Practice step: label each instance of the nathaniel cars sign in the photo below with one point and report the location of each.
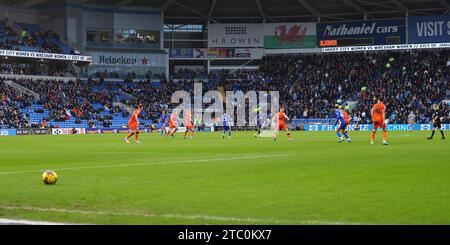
(361, 33)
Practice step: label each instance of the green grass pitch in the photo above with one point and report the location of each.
(243, 180)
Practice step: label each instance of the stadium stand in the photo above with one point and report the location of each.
(11, 104)
(317, 81)
(30, 37)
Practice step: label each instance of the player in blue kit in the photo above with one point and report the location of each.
(337, 114)
(260, 121)
(343, 119)
(226, 123)
(164, 120)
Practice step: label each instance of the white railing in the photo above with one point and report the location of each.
(21, 88)
(128, 108)
(37, 77)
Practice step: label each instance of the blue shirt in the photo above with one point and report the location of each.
(226, 119)
(164, 118)
(261, 118)
(337, 113)
(339, 116)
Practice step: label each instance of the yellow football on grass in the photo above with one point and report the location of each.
(49, 177)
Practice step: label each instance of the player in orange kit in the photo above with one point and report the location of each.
(188, 123)
(133, 124)
(343, 121)
(378, 113)
(280, 117)
(173, 124)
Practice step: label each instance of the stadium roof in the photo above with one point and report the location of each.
(198, 11)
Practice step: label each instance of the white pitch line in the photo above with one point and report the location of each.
(143, 164)
(30, 222)
(91, 152)
(181, 216)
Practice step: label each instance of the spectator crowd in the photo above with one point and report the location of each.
(11, 102)
(28, 37)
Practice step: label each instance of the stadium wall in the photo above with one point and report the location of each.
(71, 19)
(307, 127)
(101, 17)
(7, 132)
(343, 36)
(68, 131)
(19, 15)
(369, 127)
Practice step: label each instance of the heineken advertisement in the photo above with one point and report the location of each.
(104, 59)
(128, 59)
(289, 35)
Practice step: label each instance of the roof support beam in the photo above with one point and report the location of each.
(194, 11)
(356, 7)
(382, 5)
(31, 3)
(123, 3)
(260, 9)
(340, 16)
(166, 4)
(444, 3)
(424, 11)
(211, 9)
(400, 5)
(309, 7)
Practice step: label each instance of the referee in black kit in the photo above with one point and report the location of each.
(436, 123)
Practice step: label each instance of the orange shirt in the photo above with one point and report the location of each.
(188, 119)
(346, 117)
(378, 111)
(133, 116)
(173, 119)
(281, 117)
